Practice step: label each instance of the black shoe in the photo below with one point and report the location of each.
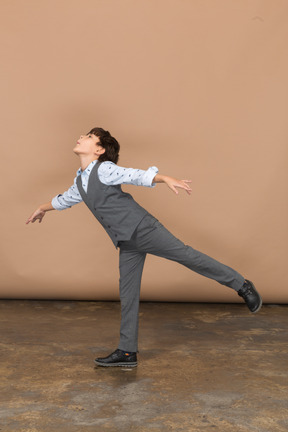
(251, 296)
(118, 358)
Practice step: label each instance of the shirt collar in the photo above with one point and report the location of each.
(88, 169)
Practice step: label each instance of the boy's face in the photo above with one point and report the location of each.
(89, 145)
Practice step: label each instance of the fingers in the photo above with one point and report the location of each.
(29, 220)
(35, 216)
(185, 186)
(172, 187)
(173, 183)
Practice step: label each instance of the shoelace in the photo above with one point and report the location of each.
(246, 291)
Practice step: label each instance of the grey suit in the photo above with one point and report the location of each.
(136, 232)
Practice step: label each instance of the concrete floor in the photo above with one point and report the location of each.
(201, 367)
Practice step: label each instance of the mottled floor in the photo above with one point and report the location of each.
(202, 367)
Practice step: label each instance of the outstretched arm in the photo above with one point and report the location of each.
(39, 213)
(173, 183)
(59, 202)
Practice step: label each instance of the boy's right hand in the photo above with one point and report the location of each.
(38, 214)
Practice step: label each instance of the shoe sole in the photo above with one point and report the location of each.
(116, 364)
(259, 307)
(260, 304)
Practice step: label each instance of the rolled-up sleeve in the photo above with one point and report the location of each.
(149, 175)
(56, 203)
(111, 174)
(68, 199)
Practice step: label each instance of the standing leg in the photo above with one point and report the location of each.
(131, 264)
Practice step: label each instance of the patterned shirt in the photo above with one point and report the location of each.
(109, 174)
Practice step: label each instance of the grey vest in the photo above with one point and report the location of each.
(117, 211)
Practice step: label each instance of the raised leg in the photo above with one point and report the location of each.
(152, 237)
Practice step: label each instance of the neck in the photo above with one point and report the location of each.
(85, 161)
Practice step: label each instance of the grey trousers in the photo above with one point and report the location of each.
(152, 237)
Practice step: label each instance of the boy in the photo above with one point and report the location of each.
(134, 231)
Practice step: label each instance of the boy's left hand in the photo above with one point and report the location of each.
(174, 183)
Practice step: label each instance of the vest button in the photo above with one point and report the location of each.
(115, 235)
(109, 226)
(102, 217)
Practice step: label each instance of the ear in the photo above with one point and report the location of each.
(99, 150)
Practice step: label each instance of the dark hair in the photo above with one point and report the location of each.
(109, 143)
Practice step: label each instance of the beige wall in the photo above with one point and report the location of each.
(197, 88)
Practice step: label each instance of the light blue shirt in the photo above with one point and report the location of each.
(110, 174)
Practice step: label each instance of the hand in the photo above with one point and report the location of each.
(173, 183)
(38, 214)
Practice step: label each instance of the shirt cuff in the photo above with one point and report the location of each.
(149, 176)
(56, 204)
